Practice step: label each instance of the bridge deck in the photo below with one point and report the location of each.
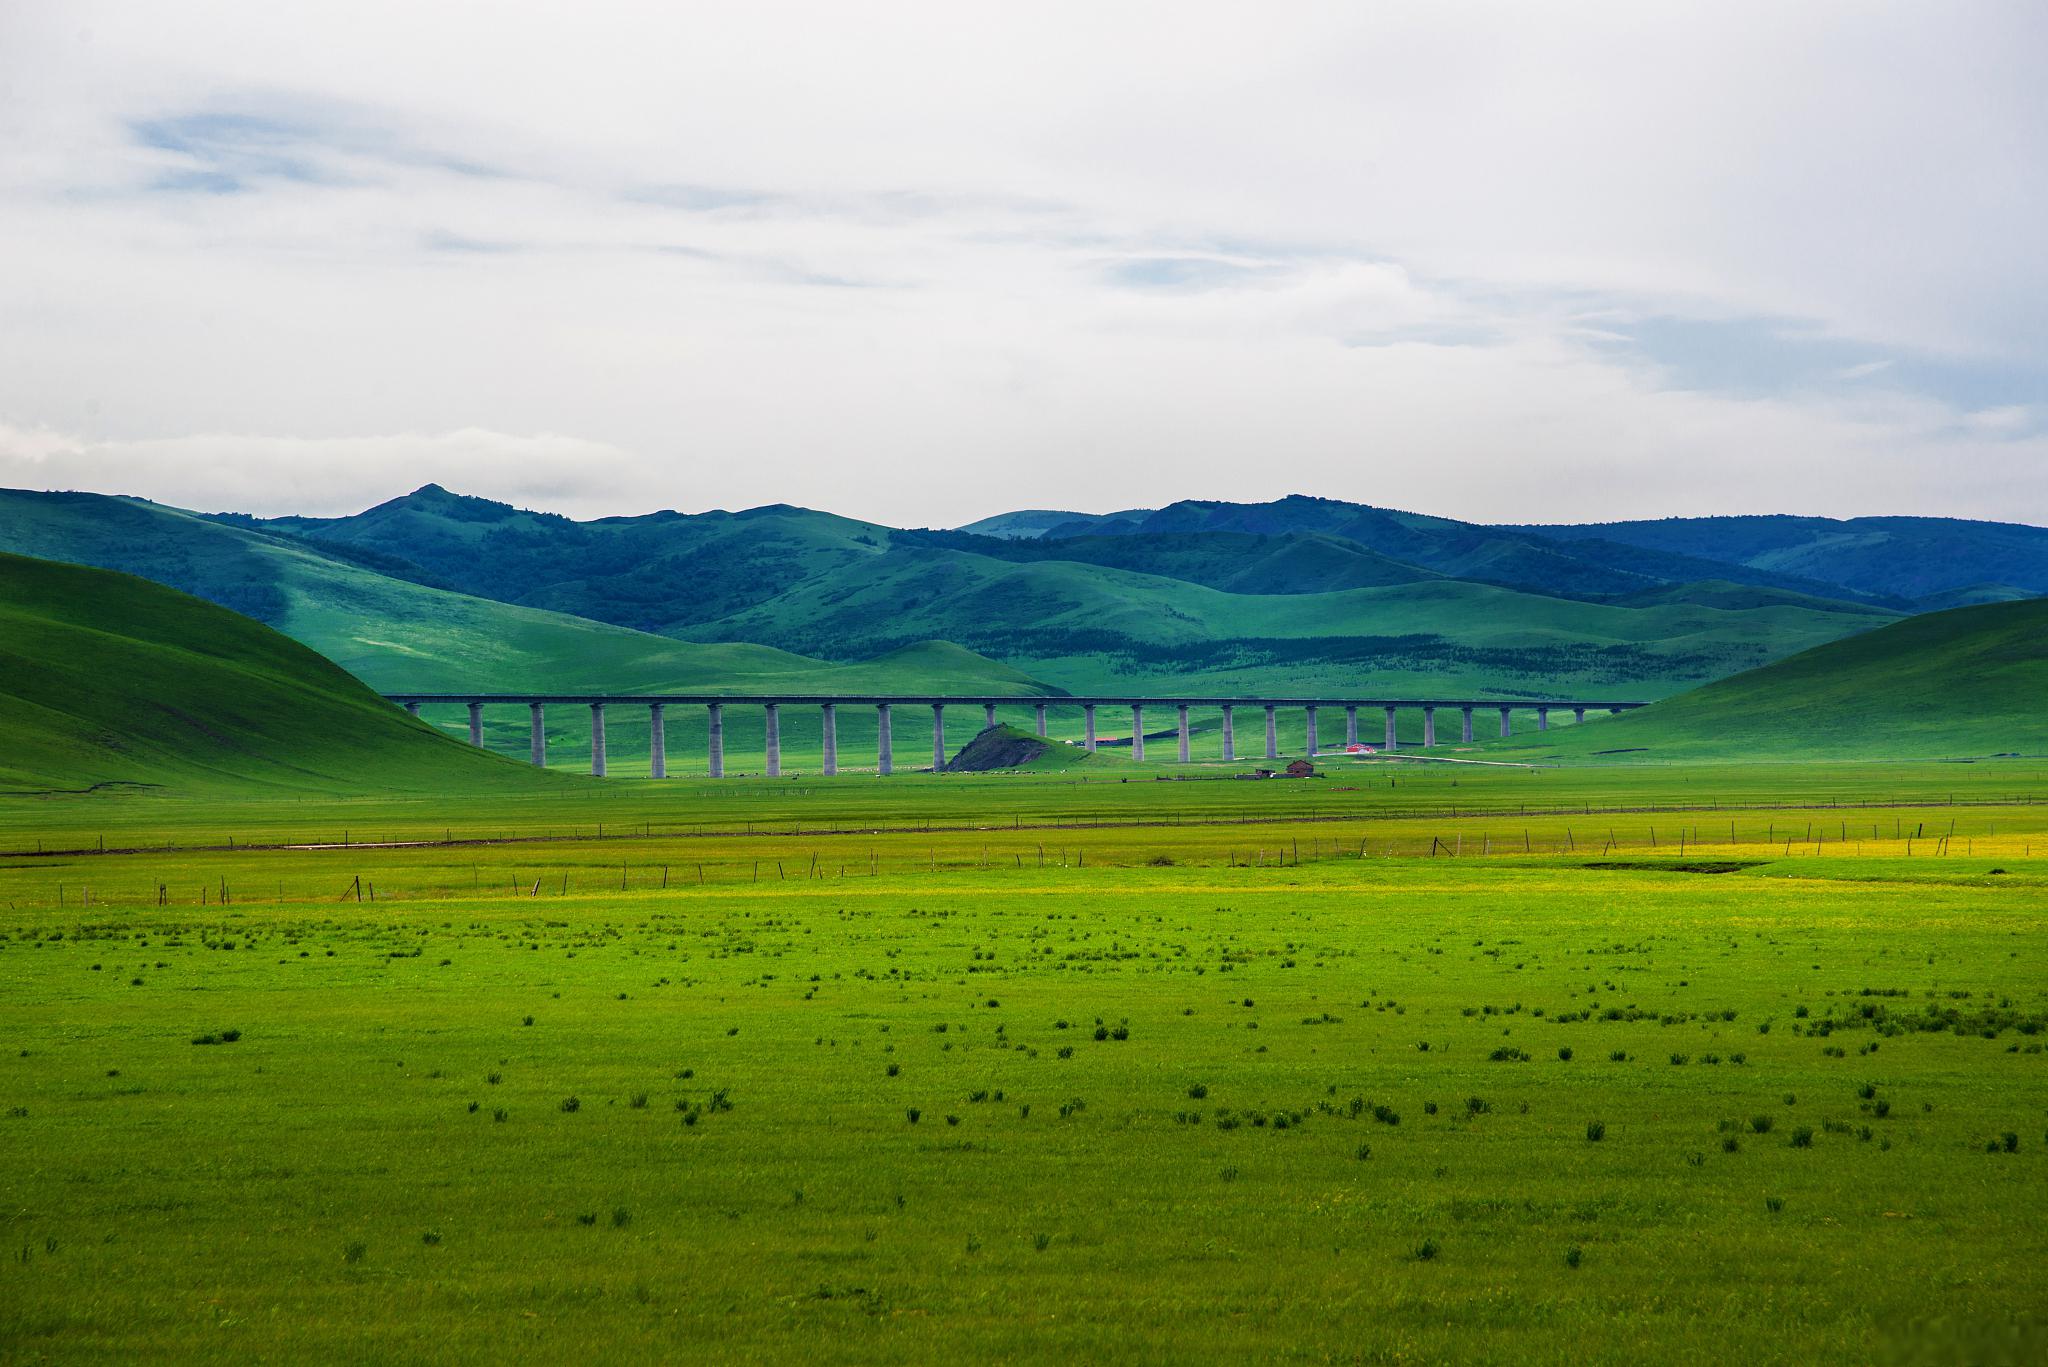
(1002, 700)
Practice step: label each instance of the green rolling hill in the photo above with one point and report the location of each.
(1219, 595)
(1915, 559)
(106, 679)
(743, 599)
(1584, 566)
(399, 635)
(623, 569)
(1921, 563)
(437, 592)
(1968, 682)
(652, 573)
(1235, 562)
(1097, 628)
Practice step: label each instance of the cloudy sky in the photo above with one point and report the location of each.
(921, 263)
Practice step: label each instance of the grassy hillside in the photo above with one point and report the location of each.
(1912, 558)
(110, 679)
(1967, 682)
(1514, 557)
(623, 570)
(1236, 562)
(398, 635)
(1093, 627)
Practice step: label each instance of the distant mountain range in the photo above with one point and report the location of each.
(1902, 562)
(441, 590)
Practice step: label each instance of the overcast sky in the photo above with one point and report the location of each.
(922, 263)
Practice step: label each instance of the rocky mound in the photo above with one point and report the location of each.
(998, 747)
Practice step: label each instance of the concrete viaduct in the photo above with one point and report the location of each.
(715, 705)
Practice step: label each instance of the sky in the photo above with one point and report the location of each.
(924, 263)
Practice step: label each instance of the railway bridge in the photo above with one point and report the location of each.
(828, 706)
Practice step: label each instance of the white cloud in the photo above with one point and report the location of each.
(321, 476)
(918, 262)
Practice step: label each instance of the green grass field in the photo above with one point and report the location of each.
(1118, 1071)
(330, 1038)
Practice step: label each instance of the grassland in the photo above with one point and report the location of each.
(106, 679)
(1965, 682)
(329, 1038)
(1022, 1066)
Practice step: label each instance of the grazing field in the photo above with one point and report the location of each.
(1720, 1068)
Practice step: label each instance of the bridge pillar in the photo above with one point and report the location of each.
(1272, 734)
(1393, 736)
(938, 738)
(1428, 727)
(1039, 712)
(657, 741)
(717, 738)
(885, 750)
(830, 733)
(1614, 711)
(597, 739)
(1182, 710)
(1137, 730)
(1350, 725)
(1229, 733)
(412, 709)
(1088, 720)
(537, 734)
(1542, 719)
(1312, 748)
(476, 723)
(1505, 729)
(988, 715)
(773, 737)
(1578, 714)
(1468, 724)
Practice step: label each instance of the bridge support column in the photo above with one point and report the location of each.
(1039, 712)
(830, 732)
(938, 738)
(1350, 725)
(597, 739)
(1088, 722)
(1542, 719)
(1229, 733)
(1137, 730)
(1272, 734)
(476, 723)
(988, 715)
(773, 737)
(412, 709)
(1468, 724)
(657, 741)
(717, 738)
(1578, 714)
(1312, 747)
(1393, 734)
(885, 750)
(537, 735)
(1505, 729)
(1614, 711)
(1182, 710)
(1428, 727)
